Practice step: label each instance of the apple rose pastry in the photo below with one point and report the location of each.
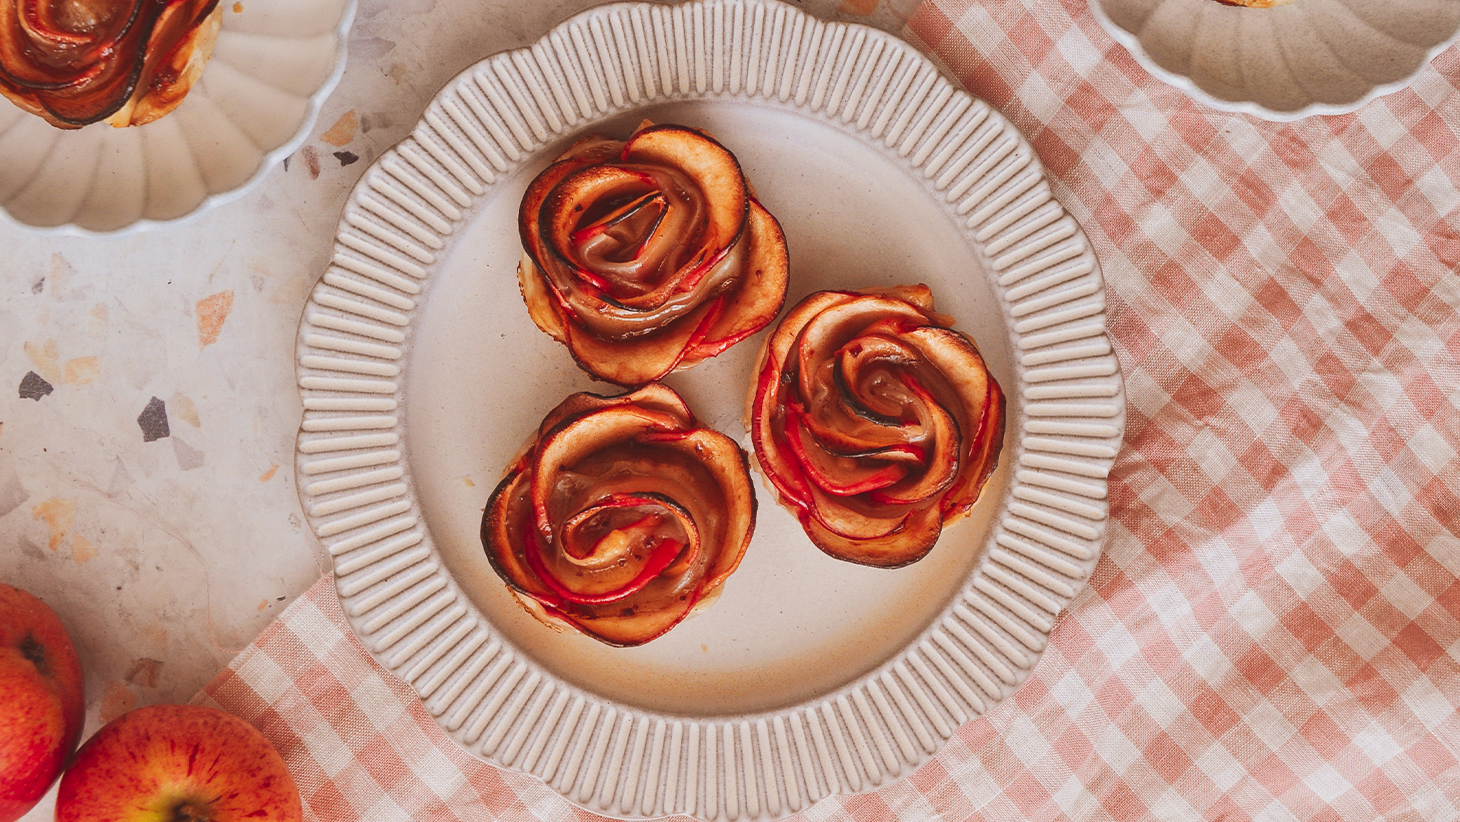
(127, 62)
(876, 422)
(622, 517)
(649, 255)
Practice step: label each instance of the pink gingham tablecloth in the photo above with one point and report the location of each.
(1273, 631)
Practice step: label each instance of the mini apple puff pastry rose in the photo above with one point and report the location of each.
(127, 62)
(876, 422)
(649, 255)
(622, 517)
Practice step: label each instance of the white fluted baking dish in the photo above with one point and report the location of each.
(274, 64)
(1309, 57)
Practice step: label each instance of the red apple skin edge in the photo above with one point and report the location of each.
(178, 763)
(42, 700)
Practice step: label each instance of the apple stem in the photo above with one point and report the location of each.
(33, 650)
(188, 812)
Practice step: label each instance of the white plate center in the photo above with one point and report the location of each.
(792, 623)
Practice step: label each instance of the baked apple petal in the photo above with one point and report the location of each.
(759, 295)
(602, 222)
(630, 626)
(982, 461)
(661, 556)
(638, 360)
(502, 524)
(941, 442)
(39, 51)
(85, 24)
(95, 97)
(579, 437)
(653, 397)
(783, 339)
(823, 337)
(959, 361)
(902, 546)
(849, 433)
(837, 474)
(767, 406)
(581, 155)
(186, 46)
(546, 312)
(713, 168)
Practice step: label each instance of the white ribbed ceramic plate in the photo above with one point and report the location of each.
(274, 64)
(421, 375)
(1309, 57)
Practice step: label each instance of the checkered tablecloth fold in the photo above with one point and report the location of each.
(1273, 631)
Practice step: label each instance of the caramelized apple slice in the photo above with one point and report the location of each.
(875, 422)
(649, 255)
(84, 61)
(622, 516)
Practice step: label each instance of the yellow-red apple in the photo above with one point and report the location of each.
(42, 704)
(178, 763)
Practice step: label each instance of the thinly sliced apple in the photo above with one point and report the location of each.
(637, 360)
(621, 516)
(761, 295)
(917, 536)
(71, 82)
(837, 474)
(957, 359)
(39, 51)
(714, 170)
(180, 49)
(830, 330)
(942, 442)
(849, 520)
(651, 252)
(874, 421)
(125, 63)
(661, 555)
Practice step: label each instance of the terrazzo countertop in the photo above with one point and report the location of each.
(149, 413)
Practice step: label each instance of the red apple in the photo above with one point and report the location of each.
(42, 705)
(178, 763)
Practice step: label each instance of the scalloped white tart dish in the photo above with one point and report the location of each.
(1283, 63)
(422, 374)
(274, 63)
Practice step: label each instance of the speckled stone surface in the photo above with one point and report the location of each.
(148, 409)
